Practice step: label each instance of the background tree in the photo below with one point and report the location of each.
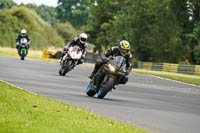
(74, 11)
(187, 14)
(47, 13)
(7, 4)
(159, 30)
(101, 13)
(42, 35)
(66, 31)
(197, 39)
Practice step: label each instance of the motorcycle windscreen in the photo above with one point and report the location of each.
(23, 40)
(120, 60)
(76, 48)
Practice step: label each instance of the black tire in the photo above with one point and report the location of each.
(107, 87)
(66, 68)
(60, 71)
(89, 90)
(22, 56)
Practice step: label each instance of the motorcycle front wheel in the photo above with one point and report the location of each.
(108, 85)
(66, 68)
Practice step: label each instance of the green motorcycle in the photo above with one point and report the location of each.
(23, 48)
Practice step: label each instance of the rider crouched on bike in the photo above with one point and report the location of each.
(78, 41)
(122, 50)
(22, 35)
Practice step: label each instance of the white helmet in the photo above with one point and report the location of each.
(23, 32)
(83, 37)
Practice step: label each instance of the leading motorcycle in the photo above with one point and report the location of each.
(70, 60)
(107, 77)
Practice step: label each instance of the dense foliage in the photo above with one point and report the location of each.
(197, 40)
(66, 31)
(159, 30)
(74, 11)
(47, 13)
(5, 4)
(41, 34)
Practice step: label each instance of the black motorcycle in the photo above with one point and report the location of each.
(70, 60)
(23, 48)
(107, 77)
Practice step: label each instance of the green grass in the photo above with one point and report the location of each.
(24, 112)
(15, 54)
(192, 79)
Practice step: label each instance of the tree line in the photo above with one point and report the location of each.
(41, 23)
(158, 30)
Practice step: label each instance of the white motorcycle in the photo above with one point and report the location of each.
(70, 60)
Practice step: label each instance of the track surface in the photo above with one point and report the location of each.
(156, 104)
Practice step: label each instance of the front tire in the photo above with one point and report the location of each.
(106, 87)
(66, 68)
(22, 55)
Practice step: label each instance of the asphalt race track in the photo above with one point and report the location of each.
(156, 104)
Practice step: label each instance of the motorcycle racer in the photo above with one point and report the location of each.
(122, 50)
(23, 34)
(78, 41)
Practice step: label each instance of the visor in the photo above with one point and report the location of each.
(124, 51)
(83, 39)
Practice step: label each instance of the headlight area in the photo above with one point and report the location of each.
(112, 68)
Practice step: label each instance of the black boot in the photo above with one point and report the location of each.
(91, 75)
(96, 68)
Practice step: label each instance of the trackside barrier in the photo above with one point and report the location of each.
(45, 53)
(167, 67)
(170, 67)
(197, 70)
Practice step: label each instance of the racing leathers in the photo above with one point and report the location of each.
(19, 39)
(76, 42)
(114, 51)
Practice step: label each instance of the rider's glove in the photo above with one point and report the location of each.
(127, 72)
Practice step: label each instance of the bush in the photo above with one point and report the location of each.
(197, 39)
(42, 35)
(66, 31)
(197, 53)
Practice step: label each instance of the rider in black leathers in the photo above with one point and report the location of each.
(22, 35)
(122, 50)
(78, 41)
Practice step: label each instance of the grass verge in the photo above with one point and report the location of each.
(23, 112)
(11, 52)
(192, 79)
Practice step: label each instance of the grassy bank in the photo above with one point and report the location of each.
(33, 54)
(23, 112)
(192, 79)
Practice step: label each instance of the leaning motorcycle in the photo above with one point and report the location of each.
(70, 60)
(107, 77)
(23, 48)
